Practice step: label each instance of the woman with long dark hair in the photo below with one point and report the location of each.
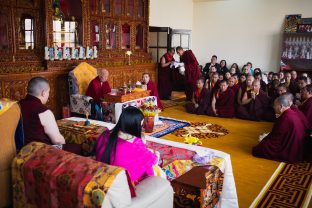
(124, 147)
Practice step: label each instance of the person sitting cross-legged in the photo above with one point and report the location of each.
(255, 103)
(286, 140)
(200, 99)
(222, 104)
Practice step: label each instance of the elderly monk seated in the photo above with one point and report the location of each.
(200, 99)
(255, 103)
(99, 86)
(286, 140)
(38, 121)
(222, 103)
(152, 87)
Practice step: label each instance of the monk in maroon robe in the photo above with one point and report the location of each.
(245, 86)
(39, 124)
(152, 87)
(192, 71)
(306, 105)
(286, 140)
(233, 86)
(222, 104)
(255, 103)
(200, 100)
(164, 75)
(99, 86)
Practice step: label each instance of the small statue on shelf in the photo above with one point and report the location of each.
(95, 55)
(46, 53)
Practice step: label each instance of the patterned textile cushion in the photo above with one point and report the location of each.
(44, 176)
(80, 104)
(84, 74)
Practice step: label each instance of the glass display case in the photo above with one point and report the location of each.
(4, 40)
(110, 30)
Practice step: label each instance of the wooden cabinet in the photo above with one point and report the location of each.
(297, 52)
(113, 26)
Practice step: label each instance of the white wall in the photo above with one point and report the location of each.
(243, 30)
(177, 14)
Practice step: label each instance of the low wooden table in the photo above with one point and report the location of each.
(121, 98)
(75, 132)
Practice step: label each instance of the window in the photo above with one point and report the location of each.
(26, 35)
(66, 36)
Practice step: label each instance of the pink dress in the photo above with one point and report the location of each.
(132, 156)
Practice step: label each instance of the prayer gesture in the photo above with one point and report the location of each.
(253, 95)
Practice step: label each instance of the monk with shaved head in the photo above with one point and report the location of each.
(286, 140)
(99, 86)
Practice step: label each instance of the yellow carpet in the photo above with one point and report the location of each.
(250, 173)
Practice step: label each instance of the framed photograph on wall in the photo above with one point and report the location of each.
(291, 22)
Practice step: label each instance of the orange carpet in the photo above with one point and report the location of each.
(250, 173)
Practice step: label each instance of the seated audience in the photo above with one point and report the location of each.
(255, 104)
(286, 140)
(152, 87)
(245, 70)
(258, 76)
(227, 75)
(222, 104)
(39, 123)
(302, 82)
(281, 77)
(272, 86)
(213, 83)
(200, 99)
(223, 67)
(281, 89)
(270, 77)
(306, 105)
(287, 79)
(244, 87)
(124, 147)
(233, 85)
(99, 86)
(275, 76)
(208, 66)
(293, 85)
(249, 65)
(242, 79)
(258, 70)
(235, 66)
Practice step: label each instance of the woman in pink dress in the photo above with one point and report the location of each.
(124, 147)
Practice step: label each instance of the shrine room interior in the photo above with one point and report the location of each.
(203, 159)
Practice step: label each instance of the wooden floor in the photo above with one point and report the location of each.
(250, 173)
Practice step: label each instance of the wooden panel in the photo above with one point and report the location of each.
(14, 85)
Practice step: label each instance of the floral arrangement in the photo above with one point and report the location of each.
(149, 109)
(192, 140)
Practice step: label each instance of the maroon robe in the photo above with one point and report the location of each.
(224, 104)
(256, 109)
(202, 100)
(152, 87)
(98, 89)
(212, 89)
(31, 107)
(164, 79)
(286, 140)
(306, 109)
(192, 72)
(235, 89)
